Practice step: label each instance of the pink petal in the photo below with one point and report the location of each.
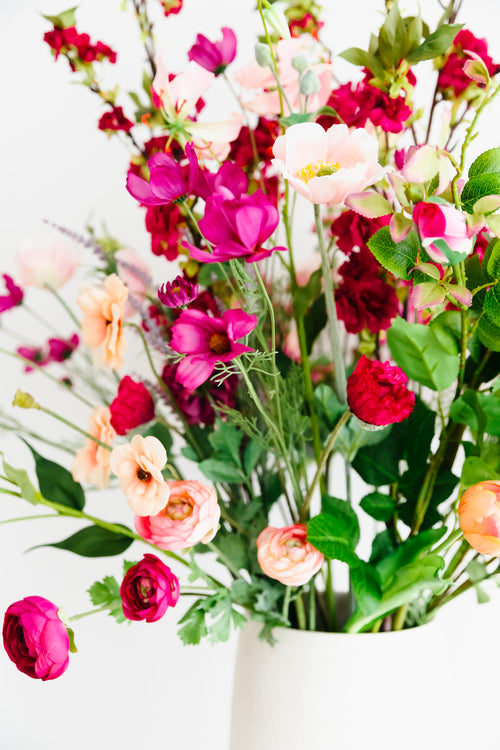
(193, 371)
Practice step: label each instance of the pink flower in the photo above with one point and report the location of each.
(199, 406)
(92, 463)
(102, 307)
(138, 466)
(178, 292)
(168, 181)
(191, 515)
(326, 167)
(479, 517)
(452, 75)
(132, 406)
(61, 349)
(14, 294)
(214, 56)
(47, 257)
(436, 221)
(35, 638)
(114, 120)
(377, 393)
(136, 275)
(148, 589)
(286, 555)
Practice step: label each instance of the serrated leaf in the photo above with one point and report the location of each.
(326, 535)
(436, 43)
(220, 471)
(226, 440)
(194, 628)
(488, 161)
(56, 483)
(397, 257)
(378, 506)
(488, 334)
(477, 187)
(93, 541)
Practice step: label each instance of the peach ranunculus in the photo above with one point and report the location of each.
(191, 515)
(286, 555)
(92, 462)
(479, 517)
(138, 466)
(136, 274)
(102, 307)
(47, 257)
(326, 166)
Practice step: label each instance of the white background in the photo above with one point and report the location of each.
(135, 684)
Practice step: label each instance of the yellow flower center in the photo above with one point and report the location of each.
(318, 169)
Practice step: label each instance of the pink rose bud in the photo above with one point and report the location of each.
(479, 517)
(148, 589)
(286, 555)
(35, 638)
(436, 221)
(377, 393)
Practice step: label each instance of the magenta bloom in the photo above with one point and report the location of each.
(14, 294)
(35, 638)
(178, 292)
(206, 340)
(168, 182)
(148, 589)
(35, 354)
(377, 393)
(131, 407)
(214, 56)
(61, 349)
(237, 228)
(436, 221)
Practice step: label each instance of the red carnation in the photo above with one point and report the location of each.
(377, 393)
(452, 75)
(114, 120)
(132, 406)
(353, 230)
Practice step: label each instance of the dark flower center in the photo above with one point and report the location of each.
(219, 343)
(143, 475)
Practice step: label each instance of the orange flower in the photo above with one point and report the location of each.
(479, 517)
(286, 555)
(138, 466)
(92, 462)
(102, 307)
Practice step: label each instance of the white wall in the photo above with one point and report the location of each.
(127, 685)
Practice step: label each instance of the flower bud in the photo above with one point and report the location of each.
(299, 63)
(275, 18)
(309, 83)
(263, 55)
(24, 400)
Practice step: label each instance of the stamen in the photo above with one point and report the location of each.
(318, 169)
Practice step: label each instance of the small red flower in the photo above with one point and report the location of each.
(115, 120)
(377, 393)
(132, 406)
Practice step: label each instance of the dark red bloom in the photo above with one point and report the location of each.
(132, 406)
(377, 393)
(148, 589)
(452, 76)
(162, 222)
(353, 230)
(77, 47)
(115, 120)
(200, 406)
(14, 294)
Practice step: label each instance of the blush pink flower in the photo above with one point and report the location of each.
(377, 393)
(326, 166)
(148, 589)
(286, 555)
(102, 306)
(214, 56)
(479, 517)
(92, 463)
(436, 221)
(191, 515)
(47, 257)
(206, 340)
(138, 466)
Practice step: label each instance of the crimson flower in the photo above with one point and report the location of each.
(214, 56)
(115, 120)
(452, 76)
(178, 292)
(377, 393)
(207, 340)
(14, 294)
(148, 589)
(168, 182)
(131, 407)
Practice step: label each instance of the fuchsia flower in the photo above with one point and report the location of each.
(35, 638)
(14, 294)
(131, 407)
(214, 56)
(286, 555)
(115, 120)
(199, 406)
(148, 589)
(377, 393)
(178, 292)
(61, 349)
(207, 340)
(479, 517)
(436, 221)
(168, 182)
(237, 228)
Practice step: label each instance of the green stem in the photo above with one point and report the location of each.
(301, 613)
(400, 617)
(89, 612)
(286, 602)
(75, 427)
(330, 597)
(447, 543)
(274, 67)
(312, 605)
(29, 518)
(223, 558)
(64, 304)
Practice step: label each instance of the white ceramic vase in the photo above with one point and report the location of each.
(316, 691)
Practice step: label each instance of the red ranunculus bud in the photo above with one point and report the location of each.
(132, 406)
(377, 393)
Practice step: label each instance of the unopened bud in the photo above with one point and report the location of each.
(275, 18)
(309, 83)
(299, 62)
(24, 400)
(263, 55)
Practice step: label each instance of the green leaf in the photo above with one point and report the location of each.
(194, 625)
(379, 464)
(383, 546)
(327, 404)
(304, 295)
(161, 433)
(475, 470)
(492, 306)
(251, 457)
(366, 588)
(294, 119)
(436, 43)
(490, 405)
(392, 37)
(467, 410)
(364, 59)
(492, 258)
(419, 353)
(94, 541)
(452, 256)
(477, 187)
(407, 553)
(378, 506)
(105, 591)
(20, 478)
(220, 471)
(397, 257)
(345, 517)
(209, 273)
(485, 163)
(488, 334)
(56, 483)
(226, 440)
(315, 321)
(329, 537)
(63, 20)
(233, 547)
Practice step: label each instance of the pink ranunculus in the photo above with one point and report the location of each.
(138, 466)
(102, 331)
(326, 167)
(191, 515)
(148, 589)
(436, 221)
(286, 555)
(131, 407)
(377, 393)
(35, 638)
(136, 275)
(479, 517)
(214, 56)
(47, 257)
(206, 340)
(92, 463)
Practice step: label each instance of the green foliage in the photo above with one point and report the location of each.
(63, 20)
(226, 465)
(476, 469)
(106, 593)
(331, 537)
(94, 541)
(477, 187)
(436, 43)
(365, 583)
(486, 163)
(161, 433)
(364, 59)
(20, 478)
(378, 506)
(397, 257)
(211, 616)
(56, 483)
(344, 515)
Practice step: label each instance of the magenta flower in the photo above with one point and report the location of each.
(148, 589)
(168, 182)
(35, 354)
(206, 340)
(214, 56)
(61, 349)
(237, 228)
(14, 294)
(178, 292)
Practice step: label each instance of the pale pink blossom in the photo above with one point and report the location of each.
(47, 257)
(191, 515)
(138, 466)
(102, 306)
(92, 463)
(286, 555)
(327, 166)
(136, 275)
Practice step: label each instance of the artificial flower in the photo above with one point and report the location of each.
(214, 56)
(138, 465)
(168, 181)
(452, 79)
(437, 221)
(131, 407)
(102, 306)
(286, 555)
(479, 517)
(14, 294)
(148, 589)
(114, 120)
(47, 258)
(199, 406)
(92, 463)
(178, 292)
(377, 393)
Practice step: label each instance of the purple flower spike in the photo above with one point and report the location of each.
(178, 292)
(168, 182)
(214, 56)
(14, 294)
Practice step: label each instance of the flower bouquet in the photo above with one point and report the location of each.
(225, 398)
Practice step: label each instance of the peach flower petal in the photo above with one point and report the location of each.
(92, 462)
(138, 466)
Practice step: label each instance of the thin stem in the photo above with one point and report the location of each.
(89, 612)
(224, 559)
(312, 605)
(63, 302)
(286, 602)
(301, 613)
(30, 518)
(330, 597)
(75, 427)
